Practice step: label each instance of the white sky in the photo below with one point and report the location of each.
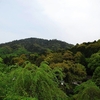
(73, 21)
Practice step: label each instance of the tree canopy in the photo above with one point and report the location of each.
(38, 69)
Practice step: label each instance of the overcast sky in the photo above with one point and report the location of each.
(73, 21)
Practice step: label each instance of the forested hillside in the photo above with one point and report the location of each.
(36, 45)
(38, 69)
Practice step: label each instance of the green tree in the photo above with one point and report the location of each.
(54, 58)
(32, 81)
(79, 58)
(68, 55)
(3, 66)
(72, 71)
(94, 61)
(96, 76)
(87, 91)
(3, 85)
(1, 60)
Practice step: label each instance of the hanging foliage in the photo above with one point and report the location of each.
(38, 82)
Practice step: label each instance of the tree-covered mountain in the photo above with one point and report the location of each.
(87, 48)
(38, 69)
(35, 45)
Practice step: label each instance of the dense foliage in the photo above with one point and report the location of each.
(37, 69)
